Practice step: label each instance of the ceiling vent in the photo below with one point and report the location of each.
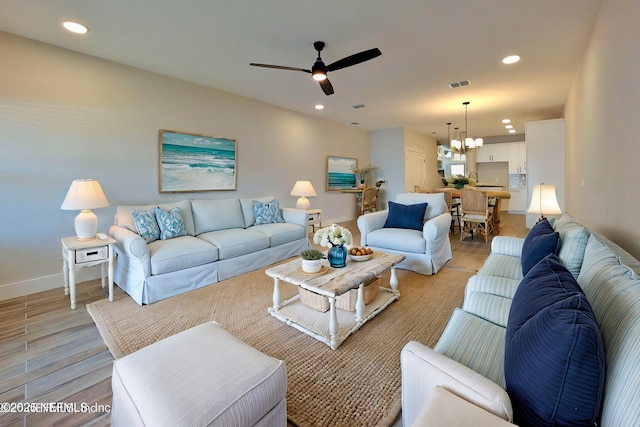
(459, 84)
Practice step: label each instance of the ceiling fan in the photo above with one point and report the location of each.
(319, 70)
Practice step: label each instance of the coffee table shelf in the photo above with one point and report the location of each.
(334, 326)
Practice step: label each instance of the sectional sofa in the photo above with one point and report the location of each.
(167, 249)
(558, 345)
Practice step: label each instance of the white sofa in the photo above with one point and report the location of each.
(469, 359)
(221, 241)
(426, 250)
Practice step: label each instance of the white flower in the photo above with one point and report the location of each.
(334, 235)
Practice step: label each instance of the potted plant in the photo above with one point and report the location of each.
(311, 260)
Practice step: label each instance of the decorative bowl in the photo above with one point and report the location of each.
(361, 257)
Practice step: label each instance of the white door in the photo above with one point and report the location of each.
(415, 169)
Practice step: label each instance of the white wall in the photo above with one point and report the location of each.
(64, 115)
(601, 137)
(388, 153)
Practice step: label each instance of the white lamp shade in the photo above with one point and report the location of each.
(84, 195)
(303, 189)
(544, 201)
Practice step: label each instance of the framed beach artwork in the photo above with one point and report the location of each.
(191, 162)
(340, 174)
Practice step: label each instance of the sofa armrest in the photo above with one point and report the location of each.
(130, 244)
(505, 245)
(437, 227)
(423, 369)
(296, 216)
(446, 409)
(370, 222)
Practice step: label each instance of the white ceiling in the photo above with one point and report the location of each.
(425, 44)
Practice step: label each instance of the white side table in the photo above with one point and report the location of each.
(315, 219)
(77, 254)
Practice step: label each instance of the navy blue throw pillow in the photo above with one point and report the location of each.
(406, 216)
(540, 242)
(554, 355)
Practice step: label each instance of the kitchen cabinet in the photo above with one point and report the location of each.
(492, 153)
(517, 157)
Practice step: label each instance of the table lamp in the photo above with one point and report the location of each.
(85, 195)
(303, 189)
(544, 201)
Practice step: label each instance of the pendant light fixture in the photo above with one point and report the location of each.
(470, 142)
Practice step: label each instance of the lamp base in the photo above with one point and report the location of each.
(302, 203)
(86, 225)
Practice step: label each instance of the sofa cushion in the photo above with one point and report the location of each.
(573, 241)
(267, 212)
(281, 233)
(170, 223)
(436, 202)
(406, 216)
(236, 242)
(180, 253)
(540, 242)
(498, 265)
(601, 264)
(616, 304)
(146, 225)
(212, 215)
(399, 239)
(554, 355)
(476, 343)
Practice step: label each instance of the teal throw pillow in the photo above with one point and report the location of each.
(146, 225)
(406, 216)
(170, 223)
(267, 213)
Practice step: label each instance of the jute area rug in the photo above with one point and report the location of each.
(358, 384)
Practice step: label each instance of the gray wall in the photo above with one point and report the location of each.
(602, 151)
(64, 115)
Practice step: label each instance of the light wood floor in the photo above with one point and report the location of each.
(50, 353)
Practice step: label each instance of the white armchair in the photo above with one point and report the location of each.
(426, 250)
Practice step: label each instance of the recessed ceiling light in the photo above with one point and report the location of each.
(319, 107)
(506, 121)
(509, 126)
(512, 131)
(75, 27)
(512, 59)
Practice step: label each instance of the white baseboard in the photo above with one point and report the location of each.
(45, 283)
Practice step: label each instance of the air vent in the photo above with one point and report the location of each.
(459, 84)
(358, 106)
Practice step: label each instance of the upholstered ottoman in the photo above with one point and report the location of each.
(203, 376)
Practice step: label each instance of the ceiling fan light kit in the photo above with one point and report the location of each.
(319, 70)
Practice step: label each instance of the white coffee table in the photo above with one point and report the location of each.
(334, 326)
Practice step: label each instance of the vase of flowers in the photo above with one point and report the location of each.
(362, 173)
(335, 238)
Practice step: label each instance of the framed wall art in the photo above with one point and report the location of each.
(191, 162)
(340, 174)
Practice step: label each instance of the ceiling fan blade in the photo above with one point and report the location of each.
(354, 59)
(326, 86)
(280, 67)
